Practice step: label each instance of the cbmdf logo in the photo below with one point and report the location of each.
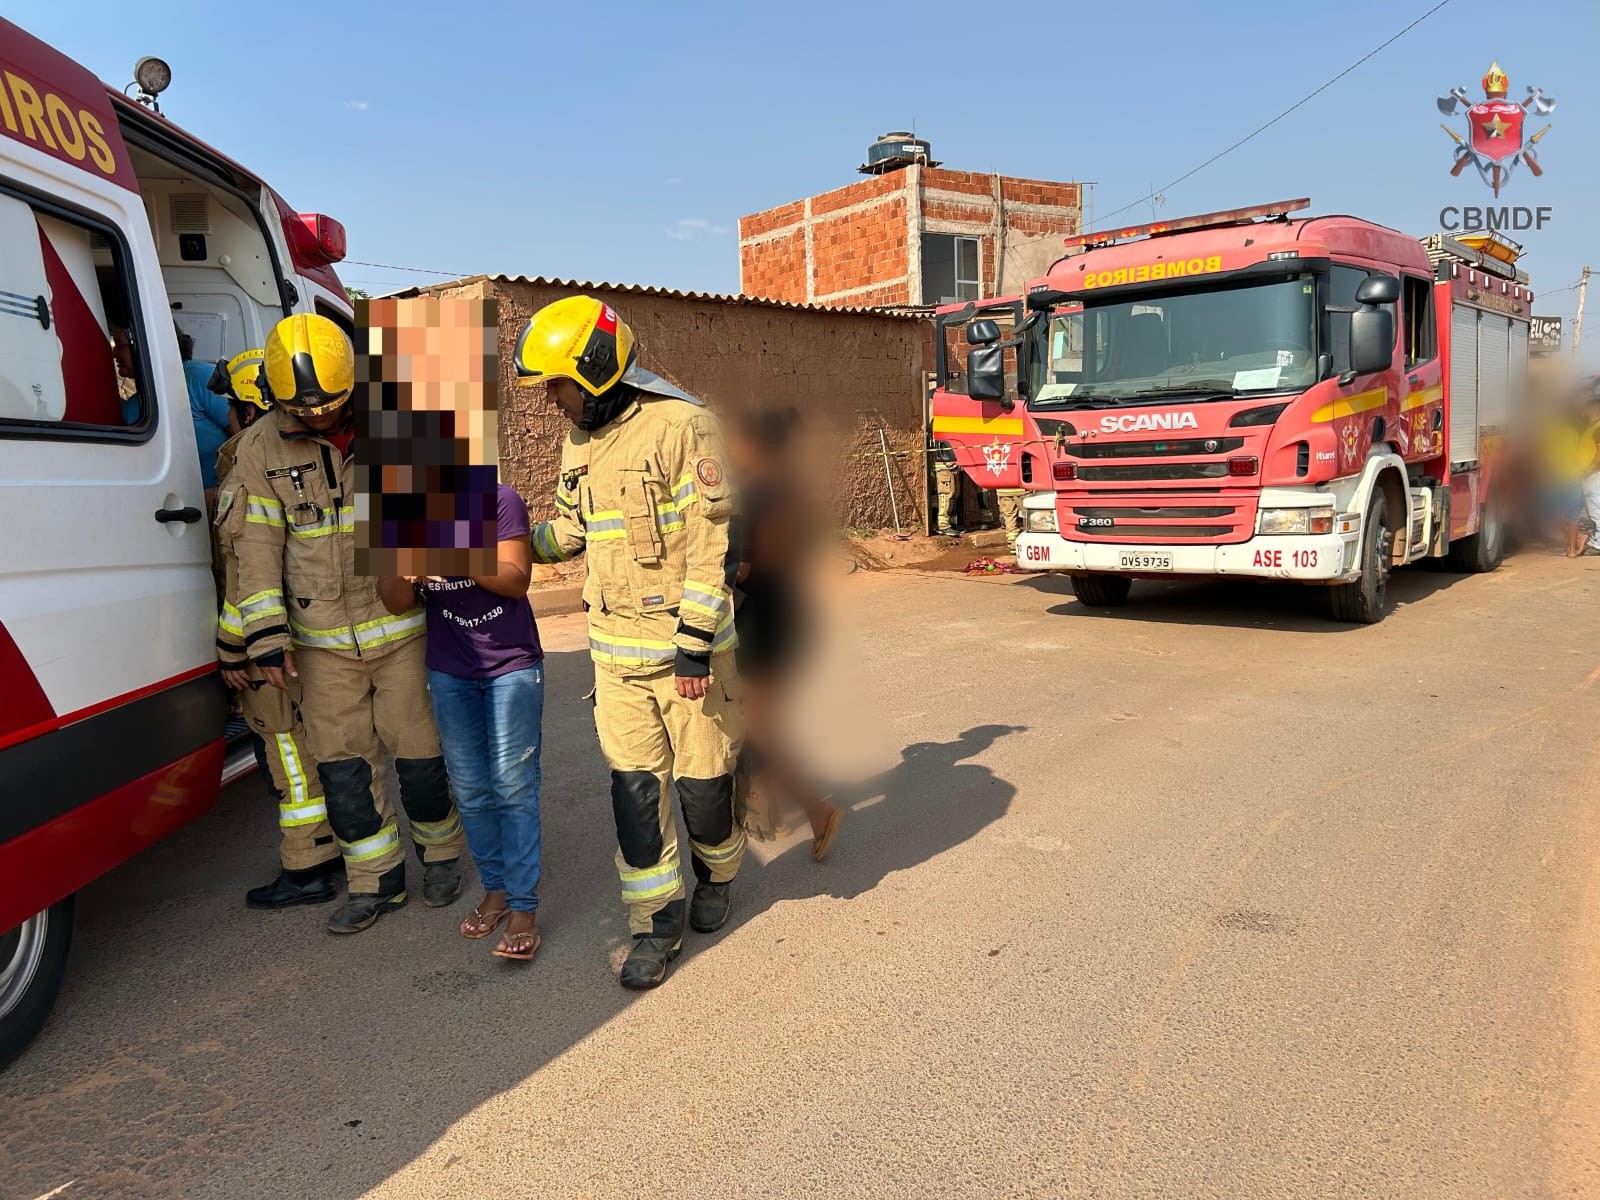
(1494, 143)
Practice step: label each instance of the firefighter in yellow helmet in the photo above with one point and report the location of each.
(304, 613)
(306, 850)
(644, 491)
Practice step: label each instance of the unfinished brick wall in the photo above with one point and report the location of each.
(848, 374)
(861, 244)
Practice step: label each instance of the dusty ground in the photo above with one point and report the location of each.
(1205, 898)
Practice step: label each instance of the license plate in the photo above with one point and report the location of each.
(1144, 560)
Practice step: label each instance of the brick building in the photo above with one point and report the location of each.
(913, 233)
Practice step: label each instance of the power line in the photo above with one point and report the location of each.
(1280, 116)
(356, 262)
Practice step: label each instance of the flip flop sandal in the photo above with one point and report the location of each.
(519, 955)
(820, 844)
(480, 924)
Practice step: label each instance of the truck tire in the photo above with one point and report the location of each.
(1486, 549)
(33, 960)
(1364, 601)
(1101, 591)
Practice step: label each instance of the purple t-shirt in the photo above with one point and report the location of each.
(474, 634)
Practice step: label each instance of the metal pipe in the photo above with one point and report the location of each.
(894, 504)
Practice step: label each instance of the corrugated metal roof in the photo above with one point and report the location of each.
(639, 289)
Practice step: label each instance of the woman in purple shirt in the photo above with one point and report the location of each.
(486, 680)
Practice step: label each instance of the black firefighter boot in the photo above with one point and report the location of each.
(313, 885)
(646, 964)
(708, 911)
(361, 910)
(441, 883)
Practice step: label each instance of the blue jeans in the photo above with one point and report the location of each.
(489, 729)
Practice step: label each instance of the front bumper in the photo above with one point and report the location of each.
(1308, 558)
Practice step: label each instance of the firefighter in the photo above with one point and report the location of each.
(306, 614)
(306, 848)
(1010, 501)
(947, 475)
(644, 491)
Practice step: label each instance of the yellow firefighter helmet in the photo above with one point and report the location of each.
(245, 378)
(579, 338)
(310, 365)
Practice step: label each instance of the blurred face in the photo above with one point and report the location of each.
(567, 396)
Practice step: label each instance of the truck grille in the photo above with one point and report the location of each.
(1189, 446)
(1216, 470)
(1165, 516)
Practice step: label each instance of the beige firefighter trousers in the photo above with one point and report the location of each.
(1010, 500)
(305, 840)
(354, 708)
(650, 736)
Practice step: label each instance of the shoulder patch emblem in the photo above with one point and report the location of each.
(709, 472)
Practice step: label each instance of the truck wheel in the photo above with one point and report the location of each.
(1101, 591)
(33, 959)
(1486, 549)
(1363, 602)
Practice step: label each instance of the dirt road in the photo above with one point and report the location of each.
(1205, 898)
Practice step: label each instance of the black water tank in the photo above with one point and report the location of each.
(893, 151)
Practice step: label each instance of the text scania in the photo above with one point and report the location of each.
(1145, 272)
(1148, 421)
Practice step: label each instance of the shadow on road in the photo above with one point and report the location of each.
(201, 1050)
(1240, 604)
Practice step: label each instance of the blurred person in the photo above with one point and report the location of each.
(308, 854)
(779, 535)
(486, 681)
(1570, 454)
(305, 614)
(643, 492)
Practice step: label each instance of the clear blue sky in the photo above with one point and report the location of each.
(551, 140)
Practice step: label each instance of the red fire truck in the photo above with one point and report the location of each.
(115, 226)
(1248, 393)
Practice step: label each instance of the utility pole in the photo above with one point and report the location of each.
(1577, 325)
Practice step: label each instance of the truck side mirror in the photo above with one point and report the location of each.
(1378, 289)
(1371, 340)
(982, 333)
(986, 373)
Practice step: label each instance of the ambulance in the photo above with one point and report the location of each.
(118, 230)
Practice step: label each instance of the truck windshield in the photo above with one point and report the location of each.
(1259, 337)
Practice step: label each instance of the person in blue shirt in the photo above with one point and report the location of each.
(214, 422)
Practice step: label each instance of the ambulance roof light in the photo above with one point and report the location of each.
(151, 76)
(1228, 216)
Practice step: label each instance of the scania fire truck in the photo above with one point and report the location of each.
(1248, 393)
(115, 226)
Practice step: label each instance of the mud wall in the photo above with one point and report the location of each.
(848, 374)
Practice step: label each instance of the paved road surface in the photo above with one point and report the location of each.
(1207, 898)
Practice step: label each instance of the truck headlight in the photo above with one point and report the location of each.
(1041, 520)
(1295, 520)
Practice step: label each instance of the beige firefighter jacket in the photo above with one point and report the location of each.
(289, 510)
(647, 498)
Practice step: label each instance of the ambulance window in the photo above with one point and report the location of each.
(1421, 342)
(71, 363)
